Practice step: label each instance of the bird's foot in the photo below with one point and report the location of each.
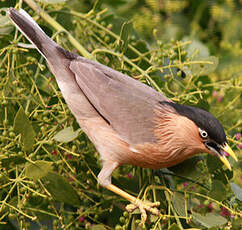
(144, 206)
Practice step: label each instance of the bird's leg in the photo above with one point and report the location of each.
(143, 206)
(104, 179)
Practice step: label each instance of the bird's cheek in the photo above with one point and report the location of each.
(211, 152)
(206, 150)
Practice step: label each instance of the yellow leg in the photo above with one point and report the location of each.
(136, 203)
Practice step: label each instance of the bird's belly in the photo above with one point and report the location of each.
(149, 156)
(107, 142)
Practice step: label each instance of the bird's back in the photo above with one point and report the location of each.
(94, 90)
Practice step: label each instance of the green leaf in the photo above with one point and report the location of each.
(53, 1)
(237, 191)
(223, 175)
(6, 30)
(198, 48)
(141, 46)
(38, 169)
(209, 68)
(66, 135)
(209, 220)
(174, 227)
(213, 163)
(97, 227)
(23, 126)
(124, 35)
(178, 201)
(6, 26)
(60, 189)
(11, 162)
(187, 168)
(206, 66)
(218, 191)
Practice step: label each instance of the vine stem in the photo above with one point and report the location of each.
(58, 27)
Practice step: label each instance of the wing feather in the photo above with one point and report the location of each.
(127, 104)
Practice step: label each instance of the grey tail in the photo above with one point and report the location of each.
(26, 24)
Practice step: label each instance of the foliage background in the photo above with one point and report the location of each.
(49, 167)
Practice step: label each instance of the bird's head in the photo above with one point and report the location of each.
(206, 130)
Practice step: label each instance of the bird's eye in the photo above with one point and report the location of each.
(203, 133)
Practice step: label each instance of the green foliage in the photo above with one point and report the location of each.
(237, 191)
(48, 171)
(174, 227)
(37, 169)
(23, 127)
(179, 203)
(60, 189)
(209, 220)
(66, 135)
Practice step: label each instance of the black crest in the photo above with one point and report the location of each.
(202, 119)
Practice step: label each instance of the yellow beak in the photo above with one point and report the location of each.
(225, 161)
(228, 150)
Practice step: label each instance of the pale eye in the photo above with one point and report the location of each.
(203, 133)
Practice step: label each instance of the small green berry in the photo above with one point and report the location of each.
(184, 53)
(206, 92)
(110, 26)
(137, 221)
(11, 216)
(73, 148)
(4, 102)
(122, 220)
(107, 39)
(118, 227)
(35, 116)
(199, 83)
(125, 214)
(50, 142)
(179, 73)
(206, 202)
(103, 23)
(12, 134)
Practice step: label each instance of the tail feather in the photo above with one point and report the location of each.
(26, 24)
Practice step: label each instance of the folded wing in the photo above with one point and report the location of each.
(126, 104)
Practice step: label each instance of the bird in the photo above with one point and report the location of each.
(127, 121)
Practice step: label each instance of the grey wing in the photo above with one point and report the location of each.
(126, 104)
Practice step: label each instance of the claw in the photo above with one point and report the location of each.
(144, 206)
